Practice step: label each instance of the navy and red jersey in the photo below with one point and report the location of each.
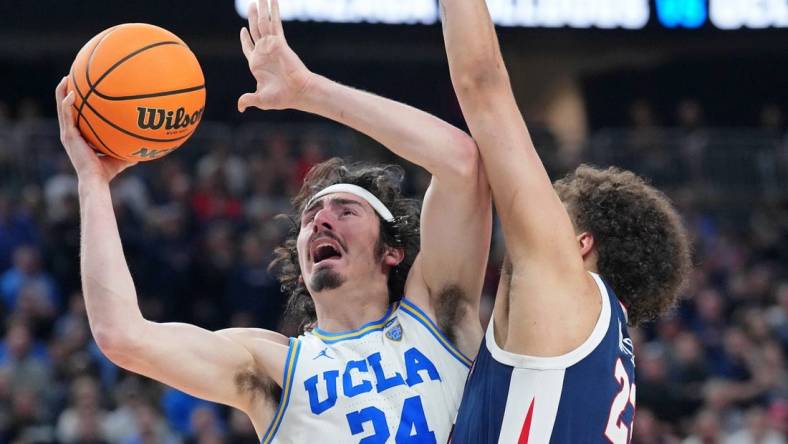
(584, 396)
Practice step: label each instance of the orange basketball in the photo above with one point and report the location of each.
(140, 92)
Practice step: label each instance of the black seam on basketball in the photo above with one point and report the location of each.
(111, 68)
(147, 96)
(76, 87)
(87, 68)
(79, 92)
(87, 122)
(129, 133)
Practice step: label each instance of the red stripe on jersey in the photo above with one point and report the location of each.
(527, 425)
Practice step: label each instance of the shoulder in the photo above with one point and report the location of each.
(447, 308)
(268, 349)
(255, 334)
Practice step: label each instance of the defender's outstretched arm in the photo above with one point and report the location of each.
(456, 216)
(548, 277)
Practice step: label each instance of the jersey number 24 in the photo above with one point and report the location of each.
(412, 429)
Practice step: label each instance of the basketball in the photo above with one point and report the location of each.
(139, 92)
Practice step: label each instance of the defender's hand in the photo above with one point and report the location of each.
(87, 163)
(281, 76)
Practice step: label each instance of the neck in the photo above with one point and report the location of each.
(350, 307)
(590, 262)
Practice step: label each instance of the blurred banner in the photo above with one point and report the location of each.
(604, 14)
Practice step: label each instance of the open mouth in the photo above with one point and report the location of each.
(325, 251)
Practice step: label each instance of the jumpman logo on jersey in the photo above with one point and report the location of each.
(324, 352)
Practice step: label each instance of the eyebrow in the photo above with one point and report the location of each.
(338, 201)
(341, 201)
(312, 206)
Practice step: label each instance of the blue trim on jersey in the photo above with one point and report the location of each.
(369, 327)
(287, 384)
(416, 313)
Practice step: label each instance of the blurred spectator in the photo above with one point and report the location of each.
(757, 430)
(26, 358)
(777, 315)
(130, 191)
(35, 306)
(16, 229)
(694, 139)
(29, 422)
(26, 270)
(212, 201)
(646, 148)
(278, 164)
(220, 160)
(311, 154)
(151, 428)
(62, 245)
(264, 204)
(241, 429)
(213, 265)
(647, 429)
(59, 188)
(251, 288)
(710, 322)
(655, 390)
(181, 408)
(705, 429)
(84, 420)
(121, 423)
(778, 416)
(205, 426)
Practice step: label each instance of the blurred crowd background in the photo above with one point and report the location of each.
(199, 227)
(701, 113)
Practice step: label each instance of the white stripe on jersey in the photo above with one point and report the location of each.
(557, 362)
(537, 391)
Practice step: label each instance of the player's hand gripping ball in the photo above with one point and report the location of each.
(140, 92)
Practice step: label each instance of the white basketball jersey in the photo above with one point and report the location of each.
(395, 380)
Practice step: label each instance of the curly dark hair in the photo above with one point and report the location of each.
(642, 245)
(403, 232)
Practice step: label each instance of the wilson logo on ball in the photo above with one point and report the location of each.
(155, 118)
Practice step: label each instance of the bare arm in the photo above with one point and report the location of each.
(202, 363)
(456, 216)
(548, 277)
(457, 204)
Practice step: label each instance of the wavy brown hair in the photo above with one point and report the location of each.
(642, 245)
(403, 232)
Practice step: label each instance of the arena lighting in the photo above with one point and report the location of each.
(605, 14)
(681, 13)
(355, 11)
(631, 14)
(756, 14)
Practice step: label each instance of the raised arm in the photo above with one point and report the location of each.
(456, 216)
(205, 364)
(548, 277)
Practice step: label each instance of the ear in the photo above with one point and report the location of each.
(393, 256)
(586, 243)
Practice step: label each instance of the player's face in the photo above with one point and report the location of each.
(337, 242)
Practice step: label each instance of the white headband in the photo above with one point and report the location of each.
(355, 190)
